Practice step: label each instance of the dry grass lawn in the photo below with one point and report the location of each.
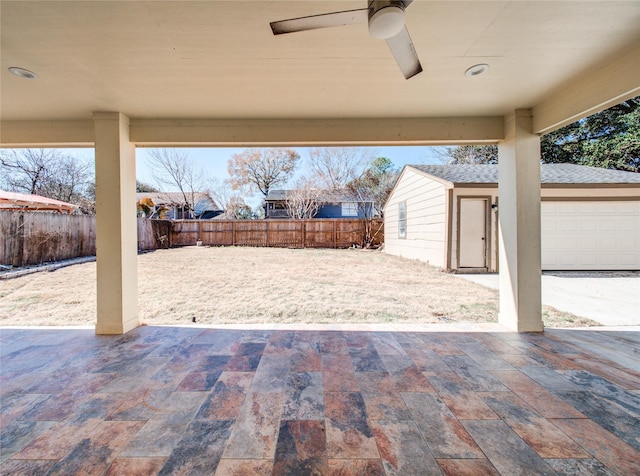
(263, 285)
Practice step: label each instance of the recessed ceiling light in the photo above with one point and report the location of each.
(23, 73)
(477, 70)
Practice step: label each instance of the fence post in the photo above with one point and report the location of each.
(304, 233)
(233, 233)
(335, 235)
(19, 250)
(266, 235)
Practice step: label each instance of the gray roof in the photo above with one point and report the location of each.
(549, 174)
(276, 195)
(176, 198)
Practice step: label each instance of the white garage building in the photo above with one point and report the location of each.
(447, 215)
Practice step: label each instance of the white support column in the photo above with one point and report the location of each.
(116, 225)
(519, 231)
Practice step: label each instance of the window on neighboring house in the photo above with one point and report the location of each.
(349, 209)
(402, 220)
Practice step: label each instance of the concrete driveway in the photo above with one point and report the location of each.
(608, 297)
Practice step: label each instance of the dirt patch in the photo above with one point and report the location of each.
(264, 285)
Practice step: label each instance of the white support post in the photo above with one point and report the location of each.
(519, 225)
(116, 226)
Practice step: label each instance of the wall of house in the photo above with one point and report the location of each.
(334, 210)
(426, 225)
(590, 192)
(426, 208)
(591, 228)
(547, 194)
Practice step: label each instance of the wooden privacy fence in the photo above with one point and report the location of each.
(313, 233)
(154, 234)
(37, 237)
(28, 238)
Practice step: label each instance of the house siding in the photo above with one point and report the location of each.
(334, 210)
(427, 237)
(426, 206)
(326, 210)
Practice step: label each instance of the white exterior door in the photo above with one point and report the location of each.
(473, 233)
(591, 235)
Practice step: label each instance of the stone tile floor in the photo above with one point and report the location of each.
(418, 400)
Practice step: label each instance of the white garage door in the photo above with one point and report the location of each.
(600, 235)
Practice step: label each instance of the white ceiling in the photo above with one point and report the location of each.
(219, 59)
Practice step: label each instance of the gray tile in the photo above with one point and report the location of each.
(479, 379)
(180, 407)
(505, 449)
(255, 432)
(366, 359)
(303, 397)
(271, 374)
(403, 451)
(200, 448)
(550, 379)
(18, 434)
(628, 401)
(155, 438)
(439, 427)
(607, 414)
(485, 358)
(579, 467)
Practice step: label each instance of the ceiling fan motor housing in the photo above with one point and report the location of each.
(386, 18)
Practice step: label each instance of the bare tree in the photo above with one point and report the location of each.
(222, 192)
(237, 209)
(234, 206)
(371, 190)
(303, 201)
(46, 172)
(335, 167)
(262, 169)
(175, 168)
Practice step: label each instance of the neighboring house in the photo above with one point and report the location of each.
(331, 205)
(33, 203)
(447, 215)
(172, 206)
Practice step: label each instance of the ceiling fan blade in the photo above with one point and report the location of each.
(403, 51)
(326, 20)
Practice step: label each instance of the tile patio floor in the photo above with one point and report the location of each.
(451, 400)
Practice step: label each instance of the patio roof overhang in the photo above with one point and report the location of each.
(116, 75)
(23, 201)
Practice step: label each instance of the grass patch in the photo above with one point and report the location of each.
(263, 285)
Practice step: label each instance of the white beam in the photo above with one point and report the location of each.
(302, 132)
(263, 132)
(519, 225)
(116, 225)
(47, 134)
(606, 86)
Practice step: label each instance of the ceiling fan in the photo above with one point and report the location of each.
(386, 20)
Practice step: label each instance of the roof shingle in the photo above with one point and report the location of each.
(549, 174)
